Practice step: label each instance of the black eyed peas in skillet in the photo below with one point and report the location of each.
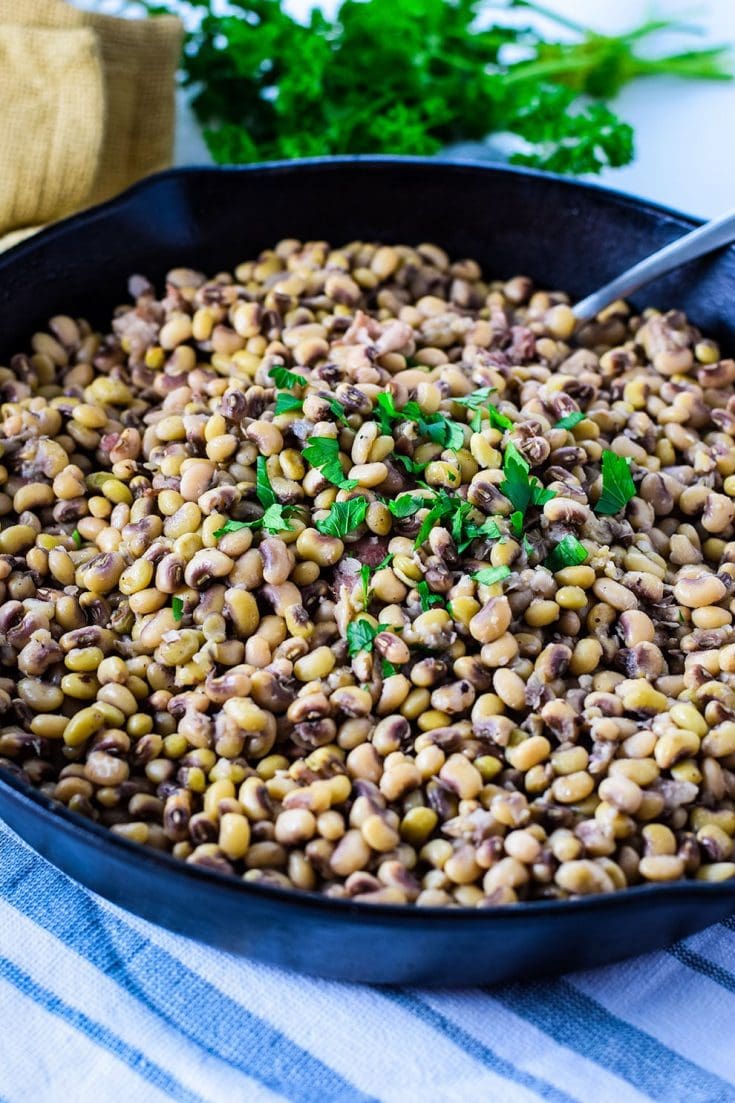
(358, 573)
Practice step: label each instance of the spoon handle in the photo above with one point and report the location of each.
(712, 235)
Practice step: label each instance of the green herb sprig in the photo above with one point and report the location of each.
(617, 484)
(409, 76)
(488, 576)
(275, 516)
(520, 488)
(344, 517)
(287, 403)
(479, 402)
(570, 420)
(569, 552)
(286, 379)
(435, 427)
(427, 597)
(366, 573)
(323, 453)
(360, 636)
(456, 514)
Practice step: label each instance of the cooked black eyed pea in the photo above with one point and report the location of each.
(319, 548)
(40, 696)
(492, 621)
(583, 877)
(696, 587)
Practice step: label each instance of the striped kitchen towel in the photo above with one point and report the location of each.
(96, 1005)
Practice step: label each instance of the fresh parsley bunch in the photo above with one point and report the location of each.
(411, 76)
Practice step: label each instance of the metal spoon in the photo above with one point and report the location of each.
(713, 235)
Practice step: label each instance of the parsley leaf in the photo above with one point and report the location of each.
(406, 505)
(516, 485)
(617, 483)
(360, 636)
(275, 518)
(411, 466)
(569, 552)
(323, 453)
(516, 523)
(263, 488)
(498, 420)
(338, 410)
(177, 608)
(285, 403)
(570, 420)
(275, 515)
(385, 411)
(388, 669)
(521, 489)
(476, 399)
(77, 537)
(344, 517)
(434, 426)
(366, 572)
(488, 576)
(284, 378)
(273, 521)
(426, 596)
(235, 526)
(456, 513)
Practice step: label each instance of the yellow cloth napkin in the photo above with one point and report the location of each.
(86, 108)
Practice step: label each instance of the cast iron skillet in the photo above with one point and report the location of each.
(565, 235)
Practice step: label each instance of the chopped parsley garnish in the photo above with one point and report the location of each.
(344, 517)
(388, 669)
(570, 420)
(235, 526)
(273, 521)
(488, 576)
(366, 572)
(77, 537)
(323, 453)
(411, 466)
(427, 597)
(456, 514)
(286, 403)
(521, 489)
(476, 403)
(617, 483)
(338, 410)
(177, 608)
(569, 552)
(360, 636)
(435, 426)
(264, 490)
(407, 505)
(365, 580)
(275, 516)
(516, 523)
(284, 378)
(477, 399)
(498, 420)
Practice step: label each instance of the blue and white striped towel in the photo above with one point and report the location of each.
(98, 1005)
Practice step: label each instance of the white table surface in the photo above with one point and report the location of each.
(685, 130)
